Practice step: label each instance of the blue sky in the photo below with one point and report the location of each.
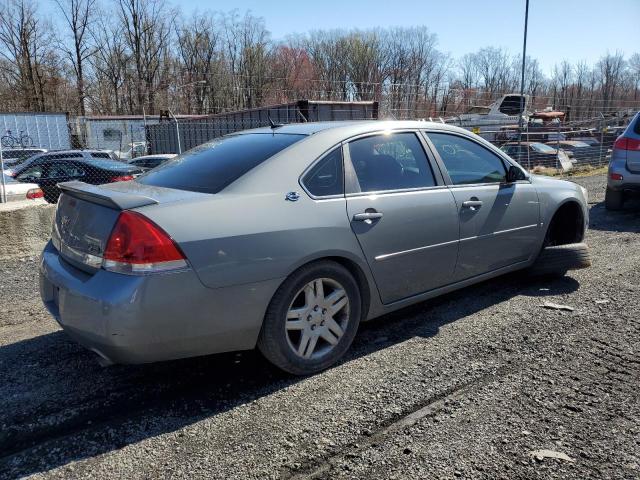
(558, 29)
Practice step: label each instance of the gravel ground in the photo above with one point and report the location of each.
(475, 384)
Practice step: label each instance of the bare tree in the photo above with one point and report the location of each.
(25, 47)
(78, 15)
(146, 32)
(109, 61)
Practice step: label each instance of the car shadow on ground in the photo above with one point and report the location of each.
(57, 396)
(625, 220)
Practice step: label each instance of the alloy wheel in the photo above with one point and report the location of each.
(317, 318)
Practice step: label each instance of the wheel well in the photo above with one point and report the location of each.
(361, 279)
(566, 226)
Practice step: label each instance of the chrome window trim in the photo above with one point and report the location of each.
(396, 192)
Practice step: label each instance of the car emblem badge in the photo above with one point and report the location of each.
(292, 196)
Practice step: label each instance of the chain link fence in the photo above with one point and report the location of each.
(100, 149)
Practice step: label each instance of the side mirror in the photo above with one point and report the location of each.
(514, 174)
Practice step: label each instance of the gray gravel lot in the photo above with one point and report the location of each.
(469, 385)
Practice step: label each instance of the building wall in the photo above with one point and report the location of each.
(47, 130)
(118, 134)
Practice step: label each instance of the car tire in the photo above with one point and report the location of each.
(284, 346)
(558, 259)
(613, 199)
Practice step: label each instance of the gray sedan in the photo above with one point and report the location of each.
(286, 238)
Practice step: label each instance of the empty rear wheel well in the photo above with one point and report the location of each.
(566, 226)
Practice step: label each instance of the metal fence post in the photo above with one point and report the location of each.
(558, 145)
(178, 135)
(3, 197)
(601, 140)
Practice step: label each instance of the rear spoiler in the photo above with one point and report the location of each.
(106, 197)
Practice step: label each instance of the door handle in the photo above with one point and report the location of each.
(472, 204)
(367, 216)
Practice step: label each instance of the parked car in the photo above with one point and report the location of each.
(288, 237)
(582, 152)
(148, 162)
(591, 141)
(536, 153)
(60, 155)
(624, 168)
(14, 156)
(136, 149)
(48, 172)
(17, 191)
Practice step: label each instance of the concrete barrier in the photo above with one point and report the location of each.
(24, 231)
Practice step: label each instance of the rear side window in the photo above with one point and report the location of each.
(393, 161)
(212, 166)
(466, 161)
(100, 155)
(326, 177)
(110, 164)
(637, 127)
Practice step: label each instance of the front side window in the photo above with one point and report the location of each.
(212, 166)
(326, 177)
(393, 161)
(466, 161)
(65, 170)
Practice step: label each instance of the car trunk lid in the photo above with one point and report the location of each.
(86, 215)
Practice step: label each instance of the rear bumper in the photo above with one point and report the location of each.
(141, 319)
(630, 180)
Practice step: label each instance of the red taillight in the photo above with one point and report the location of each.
(615, 176)
(122, 178)
(625, 143)
(35, 193)
(137, 245)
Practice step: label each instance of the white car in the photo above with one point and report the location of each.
(28, 193)
(136, 149)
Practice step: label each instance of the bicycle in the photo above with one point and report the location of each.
(9, 141)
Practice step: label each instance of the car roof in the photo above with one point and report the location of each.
(351, 127)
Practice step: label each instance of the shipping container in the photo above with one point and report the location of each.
(163, 137)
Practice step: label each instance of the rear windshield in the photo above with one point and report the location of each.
(212, 166)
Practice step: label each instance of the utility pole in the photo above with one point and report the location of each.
(524, 61)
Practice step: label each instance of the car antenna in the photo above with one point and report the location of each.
(273, 124)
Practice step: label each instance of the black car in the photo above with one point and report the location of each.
(48, 172)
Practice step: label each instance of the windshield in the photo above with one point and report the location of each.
(542, 148)
(212, 166)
